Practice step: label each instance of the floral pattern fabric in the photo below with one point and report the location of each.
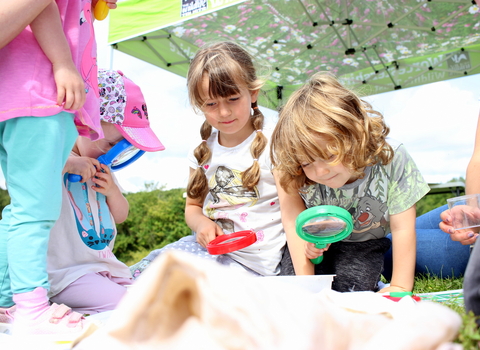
(372, 45)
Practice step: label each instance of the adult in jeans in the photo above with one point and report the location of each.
(437, 254)
(471, 281)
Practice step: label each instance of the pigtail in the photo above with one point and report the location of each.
(251, 176)
(198, 184)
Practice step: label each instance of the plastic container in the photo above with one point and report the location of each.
(465, 211)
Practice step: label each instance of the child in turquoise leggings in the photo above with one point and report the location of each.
(48, 96)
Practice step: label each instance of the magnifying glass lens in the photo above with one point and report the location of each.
(324, 226)
(230, 240)
(125, 156)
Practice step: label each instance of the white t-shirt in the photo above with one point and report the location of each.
(81, 241)
(234, 208)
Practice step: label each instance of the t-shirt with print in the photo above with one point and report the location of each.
(385, 190)
(82, 239)
(234, 208)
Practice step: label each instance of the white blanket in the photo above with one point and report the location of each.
(183, 302)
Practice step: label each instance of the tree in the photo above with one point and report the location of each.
(156, 219)
(4, 199)
(432, 201)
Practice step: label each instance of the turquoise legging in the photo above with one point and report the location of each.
(33, 152)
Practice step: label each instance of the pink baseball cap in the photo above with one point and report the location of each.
(122, 104)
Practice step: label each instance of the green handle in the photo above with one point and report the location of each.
(317, 260)
(400, 294)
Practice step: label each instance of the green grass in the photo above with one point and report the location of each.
(469, 335)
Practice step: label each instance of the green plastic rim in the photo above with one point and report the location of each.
(324, 211)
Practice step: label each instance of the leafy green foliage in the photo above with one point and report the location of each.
(156, 219)
(433, 201)
(4, 199)
(468, 335)
(429, 283)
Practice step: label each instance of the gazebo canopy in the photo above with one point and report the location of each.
(373, 46)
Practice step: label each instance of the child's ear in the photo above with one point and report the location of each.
(254, 95)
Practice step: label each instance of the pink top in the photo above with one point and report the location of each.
(27, 87)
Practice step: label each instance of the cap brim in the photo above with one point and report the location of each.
(142, 138)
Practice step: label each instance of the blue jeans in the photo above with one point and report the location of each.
(437, 254)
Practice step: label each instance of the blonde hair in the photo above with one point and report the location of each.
(228, 68)
(355, 133)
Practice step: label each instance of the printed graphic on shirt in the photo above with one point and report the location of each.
(369, 214)
(89, 64)
(385, 190)
(227, 193)
(82, 208)
(369, 217)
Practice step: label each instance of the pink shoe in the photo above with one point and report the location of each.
(58, 320)
(6, 315)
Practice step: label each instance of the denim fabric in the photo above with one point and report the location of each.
(437, 254)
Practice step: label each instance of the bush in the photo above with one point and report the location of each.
(433, 201)
(156, 219)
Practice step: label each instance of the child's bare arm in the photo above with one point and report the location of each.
(117, 203)
(47, 28)
(291, 205)
(404, 250)
(206, 229)
(16, 15)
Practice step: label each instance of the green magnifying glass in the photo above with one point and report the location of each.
(323, 225)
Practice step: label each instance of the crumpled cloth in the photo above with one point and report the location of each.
(185, 302)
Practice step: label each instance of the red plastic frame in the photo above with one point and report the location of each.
(245, 238)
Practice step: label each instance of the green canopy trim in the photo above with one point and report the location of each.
(137, 17)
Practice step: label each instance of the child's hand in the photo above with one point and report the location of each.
(70, 86)
(103, 181)
(207, 231)
(112, 4)
(313, 252)
(391, 288)
(86, 167)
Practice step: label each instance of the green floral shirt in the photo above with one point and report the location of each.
(385, 190)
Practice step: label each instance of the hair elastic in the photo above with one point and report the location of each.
(204, 140)
(255, 159)
(259, 130)
(256, 107)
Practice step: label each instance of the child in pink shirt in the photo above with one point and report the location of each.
(48, 95)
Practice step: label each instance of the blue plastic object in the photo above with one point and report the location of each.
(121, 155)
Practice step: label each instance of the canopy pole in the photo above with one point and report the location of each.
(111, 57)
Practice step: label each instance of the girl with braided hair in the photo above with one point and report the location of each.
(231, 187)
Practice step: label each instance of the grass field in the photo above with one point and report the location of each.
(469, 335)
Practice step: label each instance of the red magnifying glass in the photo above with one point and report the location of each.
(231, 242)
